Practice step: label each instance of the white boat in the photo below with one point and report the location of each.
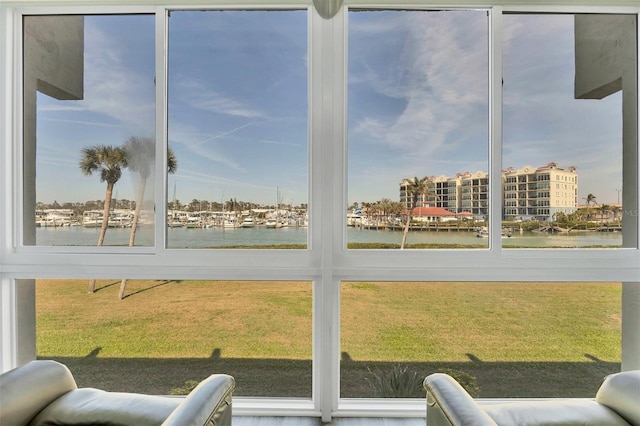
(276, 221)
(193, 222)
(230, 224)
(248, 222)
(92, 223)
(484, 232)
(53, 221)
(271, 223)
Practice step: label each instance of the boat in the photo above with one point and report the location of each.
(276, 221)
(193, 222)
(248, 222)
(53, 221)
(230, 224)
(271, 223)
(484, 232)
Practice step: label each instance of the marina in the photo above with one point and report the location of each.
(220, 236)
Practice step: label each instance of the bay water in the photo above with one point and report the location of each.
(180, 238)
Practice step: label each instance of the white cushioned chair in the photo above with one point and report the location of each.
(44, 393)
(617, 403)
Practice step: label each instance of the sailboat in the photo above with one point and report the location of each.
(172, 222)
(275, 222)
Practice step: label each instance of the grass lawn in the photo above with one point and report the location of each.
(536, 340)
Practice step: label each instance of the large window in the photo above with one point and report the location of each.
(164, 336)
(500, 340)
(333, 143)
(563, 130)
(238, 128)
(89, 130)
(414, 168)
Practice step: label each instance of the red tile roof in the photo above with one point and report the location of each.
(430, 211)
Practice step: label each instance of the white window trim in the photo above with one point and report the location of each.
(326, 263)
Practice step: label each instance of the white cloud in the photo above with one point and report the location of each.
(200, 146)
(114, 88)
(197, 95)
(441, 74)
(84, 122)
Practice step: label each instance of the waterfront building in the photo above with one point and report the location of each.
(539, 193)
(528, 193)
(432, 215)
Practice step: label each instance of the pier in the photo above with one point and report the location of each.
(551, 228)
(426, 227)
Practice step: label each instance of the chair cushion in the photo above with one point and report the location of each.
(88, 406)
(584, 412)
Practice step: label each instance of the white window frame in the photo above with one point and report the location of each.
(326, 262)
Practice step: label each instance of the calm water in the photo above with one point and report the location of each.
(218, 237)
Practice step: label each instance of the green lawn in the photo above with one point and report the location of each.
(552, 339)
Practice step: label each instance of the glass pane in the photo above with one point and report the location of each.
(500, 340)
(565, 79)
(166, 335)
(238, 128)
(89, 130)
(417, 129)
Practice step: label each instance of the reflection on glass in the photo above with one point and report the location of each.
(164, 335)
(417, 129)
(502, 340)
(563, 132)
(238, 127)
(89, 130)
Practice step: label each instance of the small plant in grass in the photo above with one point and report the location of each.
(466, 380)
(398, 382)
(185, 389)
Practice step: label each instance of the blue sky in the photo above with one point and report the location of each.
(238, 104)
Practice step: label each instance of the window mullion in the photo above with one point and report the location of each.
(161, 129)
(495, 129)
(328, 70)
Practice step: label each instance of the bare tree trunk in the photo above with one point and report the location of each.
(105, 224)
(406, 231)
(123, 284)
(134, 226)
(105, 213)
(136, 213)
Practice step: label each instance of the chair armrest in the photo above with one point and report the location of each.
(26, 390)
(449, 404)
(621, 393)
(208, 404)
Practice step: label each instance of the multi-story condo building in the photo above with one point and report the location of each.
(527, 193)
(540, 192)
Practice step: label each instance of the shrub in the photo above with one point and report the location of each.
(399, 382)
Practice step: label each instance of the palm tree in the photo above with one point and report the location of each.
(589, 199)
(140, 157)
(109, 162)
(415, 188)
(604, 208)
